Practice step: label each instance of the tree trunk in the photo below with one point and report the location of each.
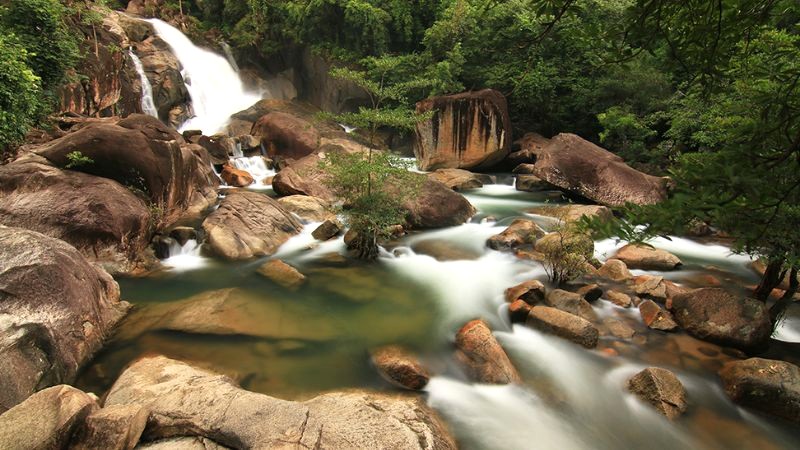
(770, 280)
(779, 308)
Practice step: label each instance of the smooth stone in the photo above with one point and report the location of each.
(660, 388)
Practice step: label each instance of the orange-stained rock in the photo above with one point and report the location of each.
(482, 356)
(235, 177)
(401, 368)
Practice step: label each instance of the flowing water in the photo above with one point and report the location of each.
(148, 105)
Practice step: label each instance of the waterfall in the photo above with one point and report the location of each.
(229, 55)
(213, 84)
(148, 105)
(255, 166)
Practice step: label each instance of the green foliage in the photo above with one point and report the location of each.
(567, 252)
(20, 93)
(77, 159)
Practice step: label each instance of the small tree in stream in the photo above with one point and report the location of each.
(374, 184)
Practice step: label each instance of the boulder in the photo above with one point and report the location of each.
(526, 148)
(219, 146)
(282, 274)
(481, 355)
(651, 286)
(582, 168)
(618, 328)
(647, 258)
(518, 311)
(769, 386)
(444, 250)
(46, 420)
(467, 130)
(286, 135)
(181, 443)
(570, 302)
(117, 427)
(531, 183)
(614, 270)
(310, 209)
(437, 206)
(660, 388)
(519, 233)
(563, 324)
(572, 213)
(248, 224)
(182, 235)
(235, 177)
(715, 315)
(185, 400)
(619, 298)
(590, 292)
(400, 368)
(57, 309)
(328, 229)
(532, 292)
(655, 317)
(459, 179)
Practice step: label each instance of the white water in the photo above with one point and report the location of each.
(216, 90)
(256, 166)
(148, 105)
(186, 257)
(229, 55)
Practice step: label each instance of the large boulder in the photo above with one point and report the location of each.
(520, 232)
(57, 309)
(570, 302)
(647, 258)
(186, 401)
(236, 177)
(46, 420)
(572, 212)
(467, 130)
(286, 135)
(772, 387)
(655, 317)
(400, 368)
(563, 324)
(117, 427)
(718, 316)
(307, 208)
(459, 179)
(580, 167)
(248, 224)
(660, 388)
(482, 356)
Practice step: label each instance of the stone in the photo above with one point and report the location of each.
(248, 224)
(444, 250)
(46, 420)
(590, 292)
(116, 427)
(459, 179)
(400, 368)
(481, 355)
(618, 328)
(531, 183)
(661, 389)
(181, 443)
(531, 292)
(437, 206)
(647, 258)
(582, 168)
(328, 229)
(526, 148)
(182, 235)
(563, 324)
(769, 386)
(185, 400)
(220, 146)
(651, 286)
(519, 233)
(282, 274)
(570, 302)
(518, 311)
(614, 270)
(619, 298)
(572, 213)
(468, 130)
(56, 311)
(235, 177)
(655, 317)
(309, 209)
(286, 135)
(714, 315)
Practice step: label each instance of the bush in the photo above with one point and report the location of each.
(567, 252)
(20, 93)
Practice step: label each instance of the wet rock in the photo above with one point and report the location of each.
(571, 303)
(236, 177)
(249, 143)
(467, 130)
(518, 311)
(400, 368)
(526, 149)
(532, 292)
(311, 209)
(572, 213)
(590, 292)
(655, 317)
(437, 206)
(520, 232)
(769, 386)
(188, 401)
(662, 389)
(444, 251)
(580, 167)
(651, 286)
(647, 258)
(715, 315)
(618, 298)
(618, 328)
(282, 274)
(183, 234)
(532, 183)
(57, 309)
(459, 179)
(113, 428)
(286, 135)
(482, 356)
(46, 420)
(181, 443)
(248, 224)
(563, 324)
(327, 230)
(614, 270)
(221, 147)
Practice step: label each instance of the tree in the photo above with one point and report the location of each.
(20, 93)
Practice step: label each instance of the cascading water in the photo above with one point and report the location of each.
(229, 55)
(148, 105)
(214, 86)
(256, 166)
